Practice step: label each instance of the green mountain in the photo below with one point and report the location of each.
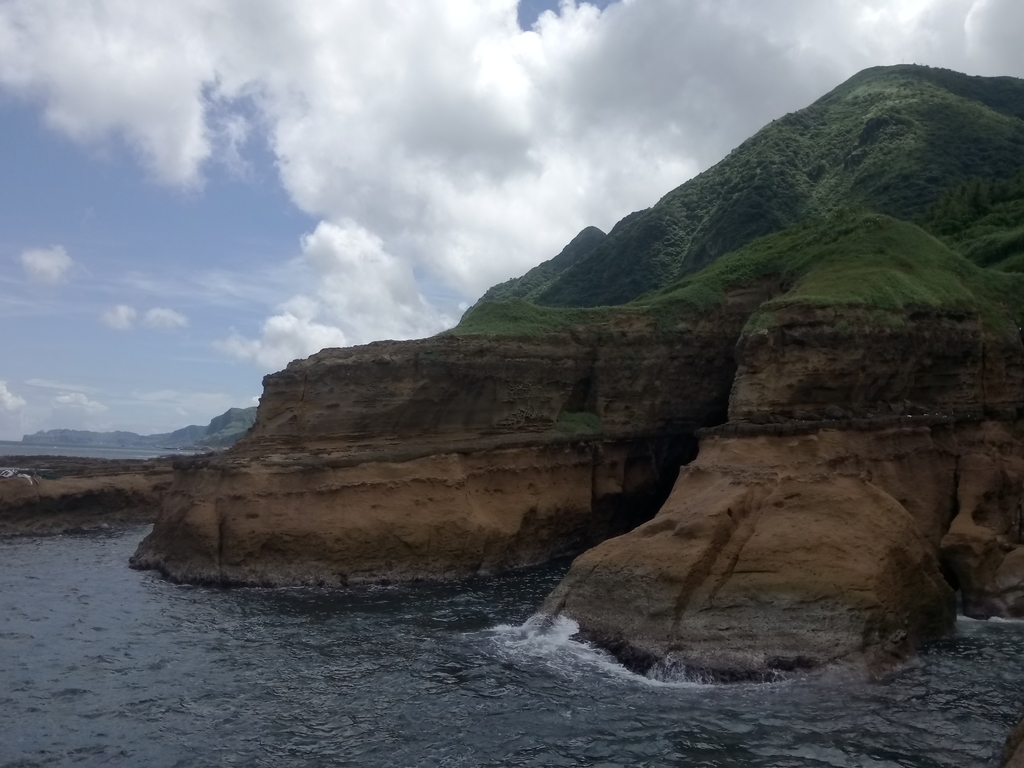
(983, 220)
(851, 258)
(227, 428)
(890, 139)
(222, 431)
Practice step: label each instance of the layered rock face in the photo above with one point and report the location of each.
(447, 457)
(846, 362)
(57, 494)
(862, 472)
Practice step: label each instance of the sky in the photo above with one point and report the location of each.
(192, 194)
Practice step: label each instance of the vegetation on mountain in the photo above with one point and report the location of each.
(890, 139)
(226, 429)
(984, 221)
(854, 258)
(538, 278)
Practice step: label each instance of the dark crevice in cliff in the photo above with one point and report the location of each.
(582, 397)
(945, 567)
(664, 458)
(1020, 521)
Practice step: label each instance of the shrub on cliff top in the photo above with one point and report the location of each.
(581, 423)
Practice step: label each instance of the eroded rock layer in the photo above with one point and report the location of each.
(866, 463)
(872, 463)
(446, 457)
(776, 553)
(437, 517)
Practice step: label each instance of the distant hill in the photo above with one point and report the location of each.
(221, 432)
(890, 139)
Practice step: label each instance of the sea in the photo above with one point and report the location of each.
(9, 448)
(104, 666)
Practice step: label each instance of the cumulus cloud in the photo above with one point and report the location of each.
(79, 401)
(164, 319)
(46, 265)
(9, 401)
(285, 337)
(362, 292)
(438, 142)
(369, 292)
(120, 318)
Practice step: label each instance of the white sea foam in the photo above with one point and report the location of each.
(961, 619)
(551, 640)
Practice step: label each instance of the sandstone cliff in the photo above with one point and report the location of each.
(449, 456)
(868, 468)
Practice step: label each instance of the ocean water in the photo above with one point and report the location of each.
(8, 448)
(101, 665)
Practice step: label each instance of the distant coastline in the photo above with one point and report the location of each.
(12, 448)
(222, 432)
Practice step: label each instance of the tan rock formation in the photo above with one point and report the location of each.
(788, 545)
(846, 362)
(791, 544)
(774, 554)
(437, 517)
(67, 494)
(984, 547)
(445, 457)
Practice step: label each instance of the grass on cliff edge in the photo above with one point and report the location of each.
(851, 258)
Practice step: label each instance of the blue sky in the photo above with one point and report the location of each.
(136, 242)
(189, 198)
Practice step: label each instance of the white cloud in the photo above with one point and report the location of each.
(369, 292)
(120, 318)
(164, 319)
(62, 386)
(46, 265)
(285, 337)
(80, 401)
(438, 143)
(365, 292)
(9, 401)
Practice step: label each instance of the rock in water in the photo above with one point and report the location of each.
(776, 554)
(984, 547)
(1013, 753)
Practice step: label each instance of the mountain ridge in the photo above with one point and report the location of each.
(891, 139)
(221, 432)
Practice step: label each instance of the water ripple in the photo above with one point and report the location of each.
(106, 666)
